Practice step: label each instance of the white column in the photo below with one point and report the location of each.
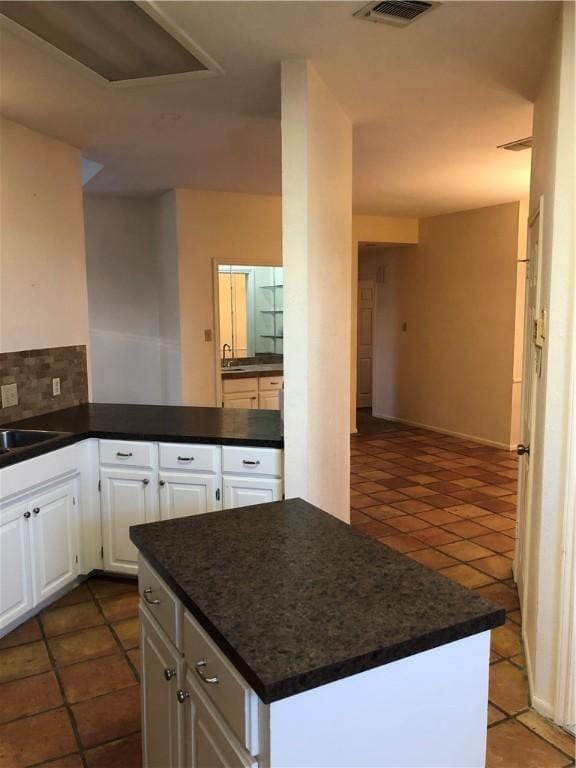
(316, 237)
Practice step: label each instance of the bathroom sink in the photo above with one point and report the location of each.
(15, 439)
(232, 369)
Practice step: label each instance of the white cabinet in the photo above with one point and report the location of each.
(243, 491)
(53, 540)
(15, 571)
(262, 392)
(186, 493)
(38, 548)
(269, 401)
(241, 400)
(162, 717)
(129, 497)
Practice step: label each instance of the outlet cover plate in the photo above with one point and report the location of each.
(9, 395)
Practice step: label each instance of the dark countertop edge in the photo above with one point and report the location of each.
(9, 459)
(331, 673)
(232, 374)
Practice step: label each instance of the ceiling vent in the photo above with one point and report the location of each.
(399, 13)
(119, 41)
(518, 145)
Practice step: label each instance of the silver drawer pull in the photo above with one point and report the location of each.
(169, 674)
(148, 591)
(250, 463)
(123, 455)
(181, 696)
(185, 458)
(199, 667)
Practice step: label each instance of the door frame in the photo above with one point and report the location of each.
(373, 283)
(218, 261)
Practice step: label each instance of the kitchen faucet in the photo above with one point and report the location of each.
(224, 347)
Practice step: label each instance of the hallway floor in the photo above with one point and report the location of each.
(69, 694)
(451, 504)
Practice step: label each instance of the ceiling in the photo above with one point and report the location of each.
(429, 103)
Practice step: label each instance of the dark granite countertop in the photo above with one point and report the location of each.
(178, 424)
(250, 371)
(296, 598)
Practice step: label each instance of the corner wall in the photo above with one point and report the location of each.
(452, 368)
(43, 293)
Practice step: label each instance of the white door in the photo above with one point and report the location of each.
(269, 401)
(365, 342)
(243, 491)
(161, 715)
(185, 493)
(241, 400)
(15, 582)
(129, 497)
(53, 540)
(533, 340)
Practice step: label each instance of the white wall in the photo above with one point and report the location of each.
(316, 236)
(130, 282)
(547, 599)
(43, 295)
(452, 368)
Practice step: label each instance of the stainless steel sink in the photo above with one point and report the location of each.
(232, 369)
(16, 439)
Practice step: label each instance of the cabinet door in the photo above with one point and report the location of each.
(53, 540)
(243, 491)
(129, 497)
(15, 583)
(206, 741)
(186, 493)
(161, 714)
(241, 400)
(269, 401)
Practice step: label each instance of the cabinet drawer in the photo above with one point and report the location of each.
(254, 461)
(231, 695)
(267, 383)
(239, 385)
(132, 453)
(193, 457)
(160, 602)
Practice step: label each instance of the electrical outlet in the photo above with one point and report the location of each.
(208, 334)
(55, 387)
(9, 395)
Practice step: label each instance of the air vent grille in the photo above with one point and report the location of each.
(396, 12)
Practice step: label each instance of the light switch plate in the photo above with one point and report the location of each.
(56, 386)
(9, 395)
(208, 334)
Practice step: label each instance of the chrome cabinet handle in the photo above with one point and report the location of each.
(27, 514)
(185, 458)
(181, 696)
(148, 591)
(123, 455)
(250, 463)
(145, 481)
(36, 510)
(169, 674)
(199, 667)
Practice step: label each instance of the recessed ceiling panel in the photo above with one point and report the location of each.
(117, 40)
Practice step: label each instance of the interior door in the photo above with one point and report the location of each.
(533, 341)
(53, 540)
(365, 342)
(185, 493)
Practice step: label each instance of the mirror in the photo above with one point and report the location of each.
(251, 311)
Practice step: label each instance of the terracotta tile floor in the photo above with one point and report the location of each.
(69, 693)
(69, 678)
(451, 505)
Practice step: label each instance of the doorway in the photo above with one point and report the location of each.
(364, 362)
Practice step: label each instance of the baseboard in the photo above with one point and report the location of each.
(544, 708)
(442, 431)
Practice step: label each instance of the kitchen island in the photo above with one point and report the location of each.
(276, 635)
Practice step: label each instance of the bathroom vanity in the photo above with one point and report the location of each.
(277, 636)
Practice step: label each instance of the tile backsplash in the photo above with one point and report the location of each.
(33, 370)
